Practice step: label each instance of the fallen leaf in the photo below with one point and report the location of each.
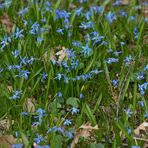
(142, 128)
(29, 105)
(83, 131)
(7, 22)
(61, 54)
(7, 141)
(125, 2)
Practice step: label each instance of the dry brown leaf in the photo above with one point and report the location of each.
(83, 131)
(125, 2)
(6, 21)
(61, 54)
(142, 128)
(7, 141)
(29, 105)
(5, 124)
(52, 56)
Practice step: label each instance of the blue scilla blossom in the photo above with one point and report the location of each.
(59, 30)
(76, 43)
(5, 41)
(111, 60)
(140, 76)
(16, 95)
(115, 83)
(59, 94)
(110, 17)
(96, 37)
(70, 53)
(142, 88)
(141, 103)
(129, 131)
(87, 25)
(116, 53)
(136, 33)
(74, 111)
(117, 2)
(54, 129)
(128, 112)
(110, 50)
(39, 40)
(18, 33)
(74, 64)
(87, 15)
(128, 60)
(17, 146)
(44, 76)
(23, 11)
(44, 20)
(66, 79)
(59, 76)
(132, 18)
(25, 22)
(123, 13)
(40, 114)
(67, 122)
(62, 14)
(23, 74)
(146, 115)
(13, 67)
(43, 146)
(65, 64)
(39, 139)
(78, 11)
(99, 9)
(24, 114)
(86, 50)
(34, 28)
(122, 43)
(133, 146)
(23, 61)
(69, 134)
(16, 53)
(95, 71)
(82, 1)
(93, 9)
(145, 68)
(81, 96)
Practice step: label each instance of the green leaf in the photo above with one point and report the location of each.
(94, 145)
(73, 102)
(90, 115)
(25, 140)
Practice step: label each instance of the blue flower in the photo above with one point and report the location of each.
(115, 83)
(23, 11)
(59, 76)
(67, 122)
(44, 76)
(78, 11)
(60, 31)
(145, 68)
(110, 17)
(74, 64)
(140, 76)
(99, 9)
(87, 25)
(45, 146)
(136, 33)
(111, 60)
(16, 95)
(39, 39)
(86, 50)
(142, 88)
(128, 60)
(129, 131)
(59, 94)
(18, 33)
(146, 115)
(141, 103)
(17, 146)
(74, 111)
(39, 139)
(69, 134)
(23, 73)
(135, 146)
(16, 53)
(128, 112)
(81, 96)
(5, 41)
